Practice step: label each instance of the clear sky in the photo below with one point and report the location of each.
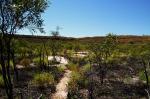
(80, 18)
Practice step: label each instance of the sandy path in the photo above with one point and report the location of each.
(62, 87)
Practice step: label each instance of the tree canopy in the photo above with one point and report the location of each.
(19, 14)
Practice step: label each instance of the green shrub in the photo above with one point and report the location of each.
(77, 80)
(73, 67)
(75, 76)
(1, 81)
(43, 79)
(58, 72)
(61, 69)
(37, 61)
(85, 68)
(76, 83)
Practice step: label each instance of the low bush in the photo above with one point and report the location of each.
(78, 81)
(73, 67)
(43, 79)
(76, 76)
(73, 86)
(61, 69)
(57, 72)
(85, 68)
(37, 61)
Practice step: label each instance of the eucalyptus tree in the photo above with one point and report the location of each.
(102, 51)
(105, 49)
(16, 15)
(97, 59)
(109, 45)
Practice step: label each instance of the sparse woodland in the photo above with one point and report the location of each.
(29, 69)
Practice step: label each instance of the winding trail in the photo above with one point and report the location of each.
(62, 86)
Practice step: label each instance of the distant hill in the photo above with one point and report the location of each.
(121, 39)
(97, 39)
(33, 38)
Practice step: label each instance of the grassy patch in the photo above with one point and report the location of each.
(85, 68)
(43, 79)
(73, 67)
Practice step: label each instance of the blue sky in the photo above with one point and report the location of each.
(80, 18)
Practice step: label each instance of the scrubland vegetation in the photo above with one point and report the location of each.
(32, 67)
(105, 69)
(109, 69)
